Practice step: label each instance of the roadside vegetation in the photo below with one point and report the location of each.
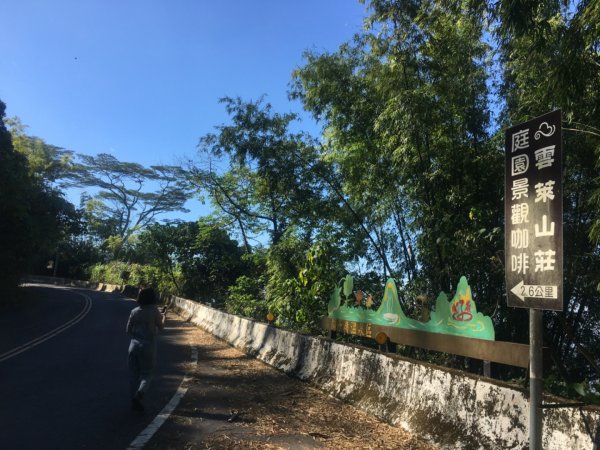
(405, 181)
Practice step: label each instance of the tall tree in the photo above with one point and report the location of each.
(212, 263)
(166, 247)
(199, 258)
(129, 196)
(407, 101)
(34, 217)
(46, 162)
(265, 187)
(14, 211)
(550, 56)
(404, 110)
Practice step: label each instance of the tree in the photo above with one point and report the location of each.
(14, 192)
(46, 162)
(212, 264)
(34, 217)
(130, 196)
(266, 187)
(550, 56)
(408, 101)
(199, 258)
(230, 193)
(405, 117)
(300, 276)
(164, 245)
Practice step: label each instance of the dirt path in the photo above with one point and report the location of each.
(237, 402)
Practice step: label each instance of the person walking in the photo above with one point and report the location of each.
(143, 325)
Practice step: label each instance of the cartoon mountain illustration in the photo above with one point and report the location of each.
(334, 300)
(457, 317)
(390, 310)
(460, 316)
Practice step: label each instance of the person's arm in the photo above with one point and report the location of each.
(129, 328)
(160, 319)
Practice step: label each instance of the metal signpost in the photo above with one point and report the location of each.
(533, 237)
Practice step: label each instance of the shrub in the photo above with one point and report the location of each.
(118, 272)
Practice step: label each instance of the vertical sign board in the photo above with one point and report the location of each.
(533, 213)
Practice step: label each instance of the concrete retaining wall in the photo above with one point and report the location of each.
(126, 290)
(450, 408)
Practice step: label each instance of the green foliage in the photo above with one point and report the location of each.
(246, 298)
(34, 217)
(165, 246)
(407, 127)
(14, 193)
(212, 264)
(200, 258)
(124, 203)
(76, 255)
(406, 122)
(586, 391)
(560, 46)
(299, 283)
(334, 300)
(46, 162)
(122, 273)
(267, 187)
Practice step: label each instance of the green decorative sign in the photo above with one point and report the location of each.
(457, 317)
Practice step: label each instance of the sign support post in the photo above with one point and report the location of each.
(536, 332)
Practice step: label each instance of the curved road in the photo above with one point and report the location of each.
(63, 372)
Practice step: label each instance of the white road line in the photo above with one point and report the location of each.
(149, 431)
(22, 348)
(143, 438)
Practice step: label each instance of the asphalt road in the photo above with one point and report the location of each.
(69, 390)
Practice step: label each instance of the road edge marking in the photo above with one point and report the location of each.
(147, 433)
(50, 334)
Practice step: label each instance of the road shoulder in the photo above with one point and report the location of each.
(235, 401)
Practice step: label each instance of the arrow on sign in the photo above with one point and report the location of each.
(522, 290)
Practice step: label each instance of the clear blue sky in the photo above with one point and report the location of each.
(141, 79)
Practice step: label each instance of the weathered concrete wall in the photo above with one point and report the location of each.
(450, 408)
